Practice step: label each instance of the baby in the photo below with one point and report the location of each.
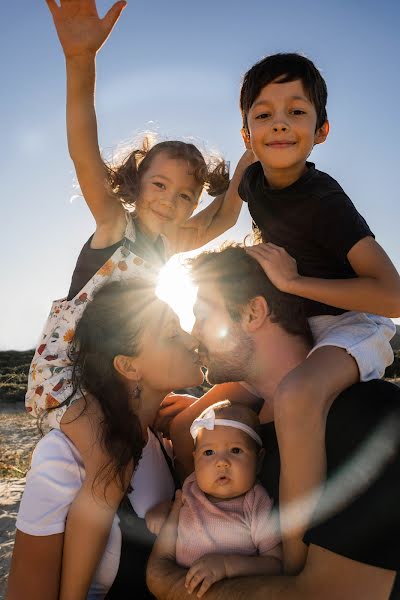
(226, 524)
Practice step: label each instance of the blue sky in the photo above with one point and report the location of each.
(176, 68)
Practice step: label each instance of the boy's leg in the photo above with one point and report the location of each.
(301, 404)
(91, 514)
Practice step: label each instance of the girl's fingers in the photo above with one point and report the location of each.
(53, 7)
(112, 16)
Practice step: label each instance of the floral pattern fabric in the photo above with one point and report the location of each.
(49, 382)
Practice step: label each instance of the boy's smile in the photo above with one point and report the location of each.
(282, 131)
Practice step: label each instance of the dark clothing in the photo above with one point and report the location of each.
(136, 545)
(363, 448)
(90, 260)
(312, 219)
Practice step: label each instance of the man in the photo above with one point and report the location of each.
(249, 332)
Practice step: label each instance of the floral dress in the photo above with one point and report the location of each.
(49, 382)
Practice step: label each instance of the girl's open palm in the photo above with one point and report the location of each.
(80, 29)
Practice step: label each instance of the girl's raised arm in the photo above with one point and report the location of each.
(82, 33)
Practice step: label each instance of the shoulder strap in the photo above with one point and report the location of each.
(168, 460)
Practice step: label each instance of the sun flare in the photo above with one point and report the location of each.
(175, 287)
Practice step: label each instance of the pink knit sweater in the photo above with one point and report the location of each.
(243, 525)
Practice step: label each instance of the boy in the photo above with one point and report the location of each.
(316, 246)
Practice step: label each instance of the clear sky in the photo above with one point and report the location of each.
(175, 67)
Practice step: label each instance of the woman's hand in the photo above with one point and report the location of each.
(156, 516)
(79, 27)
(172, 405)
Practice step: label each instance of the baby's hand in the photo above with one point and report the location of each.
(279, 266)
(79, 27)
(156, 516)
(204, 572)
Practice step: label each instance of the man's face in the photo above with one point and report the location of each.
(225, 348)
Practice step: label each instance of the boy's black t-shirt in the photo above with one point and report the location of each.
(313, 219)
(362, 494)
(90, 260)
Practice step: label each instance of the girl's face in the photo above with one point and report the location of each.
(225, 462)
(168, 194)
(168, 358)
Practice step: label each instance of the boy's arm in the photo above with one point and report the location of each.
(216, 218)
(82, 33)
(375, 290)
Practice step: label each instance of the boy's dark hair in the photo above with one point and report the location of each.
(239, 277)
(282, 68)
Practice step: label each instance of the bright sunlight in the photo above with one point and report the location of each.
(175, 288)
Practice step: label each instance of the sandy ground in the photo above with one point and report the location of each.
(18, 437)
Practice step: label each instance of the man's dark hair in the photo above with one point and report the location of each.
(282, 68)
(240, 278)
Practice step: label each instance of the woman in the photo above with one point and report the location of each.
(127, 354)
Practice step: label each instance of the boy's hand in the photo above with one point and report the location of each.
(204, 572)
(172, 405)
(279, 266)
(156, 516)
(79, 27)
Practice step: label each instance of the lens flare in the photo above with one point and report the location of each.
(175, 287)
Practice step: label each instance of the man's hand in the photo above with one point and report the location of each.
(156, 516)
(204, 572)
(278, 265)
(172, 405)
(79, 27)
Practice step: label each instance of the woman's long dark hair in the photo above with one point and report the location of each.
(112, 324)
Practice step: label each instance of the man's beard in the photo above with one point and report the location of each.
(233, 364)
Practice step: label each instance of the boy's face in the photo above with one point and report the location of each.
(282, 127)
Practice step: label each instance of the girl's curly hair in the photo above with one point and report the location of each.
(124, 177)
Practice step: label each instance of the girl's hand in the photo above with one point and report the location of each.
(156, 516)
(279, 266)
(204, 572)
(79, 27)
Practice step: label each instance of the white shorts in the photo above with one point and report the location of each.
(364, 336)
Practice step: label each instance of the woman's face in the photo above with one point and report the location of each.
(168, 359)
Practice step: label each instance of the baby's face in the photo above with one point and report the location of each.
(225, 462)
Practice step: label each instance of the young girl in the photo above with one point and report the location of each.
(226, 524)
(163, 184)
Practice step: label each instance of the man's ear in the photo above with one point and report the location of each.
(246, 138)
(127, 367)
(260, 460)
(322, 133)
(255, 313)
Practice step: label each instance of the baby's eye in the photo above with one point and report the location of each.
(208, 452)
(236, 450)
(263, 116)
(159, 185)
(298, 111)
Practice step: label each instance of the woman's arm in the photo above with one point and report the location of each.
(35, 567)
(216, 218)
(82, 33)
(375, 290)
